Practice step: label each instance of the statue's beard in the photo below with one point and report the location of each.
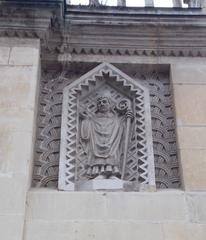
(104, 109)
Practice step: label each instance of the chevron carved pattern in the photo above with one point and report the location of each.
(46, 164)
(70, 158)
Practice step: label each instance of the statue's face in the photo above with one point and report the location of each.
(103, 104)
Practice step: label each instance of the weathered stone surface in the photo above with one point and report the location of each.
(25, 56)
(11, 226)
(66, 206)
(155, 207)
(183, 231)
(18, 87)
(17, 119)
(162, 215)
(191, 137)
(103, 184)
(197, 207)
(193, 162)
(88, 215)
(97, 230)
(13, 192)
(4, 55)
(105, 134)
(12, 158)
(190, 104)
(188, 73)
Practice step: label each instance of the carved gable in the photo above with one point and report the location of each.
(79, 101)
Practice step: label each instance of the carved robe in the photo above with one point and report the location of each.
(102, 137)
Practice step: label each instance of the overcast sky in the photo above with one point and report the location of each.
(130, 3)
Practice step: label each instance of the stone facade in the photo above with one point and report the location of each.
(45, 213)
(20, 74)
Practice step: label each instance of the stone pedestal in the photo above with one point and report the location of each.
(100, 184)
(113, 185)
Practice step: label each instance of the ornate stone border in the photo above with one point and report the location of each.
(69, 131)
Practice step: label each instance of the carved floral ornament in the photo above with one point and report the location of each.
(106, 133)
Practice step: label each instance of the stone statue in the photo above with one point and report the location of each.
(106, 133)
(103, 137)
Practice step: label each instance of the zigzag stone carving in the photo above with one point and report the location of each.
(140, 163)
(163, 127)
(46, 164)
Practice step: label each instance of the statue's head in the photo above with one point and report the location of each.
(103, 104)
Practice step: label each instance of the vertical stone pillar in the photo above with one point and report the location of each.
(19, 74)
(189, 84)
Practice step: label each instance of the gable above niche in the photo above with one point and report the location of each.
(129, 111)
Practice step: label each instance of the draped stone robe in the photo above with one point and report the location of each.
(102, 138)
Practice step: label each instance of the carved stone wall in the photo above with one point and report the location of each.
(46, 163)
(164, 132)
(140, 158)
(163, 124)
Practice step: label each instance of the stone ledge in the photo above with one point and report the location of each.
(144, 207)
(24, 56)
(197, 207)
(112, 230)
(18, 42)
(11, 226)
(187, 72)
(97, 230)
(191, 137)
(193, 163)
(4, 55)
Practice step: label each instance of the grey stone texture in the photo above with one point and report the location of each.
(160, 215)
(78, 100)
(157, 81)
(172, 38)
(19, 75)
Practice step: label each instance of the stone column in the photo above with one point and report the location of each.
(149, 3)
(189, 84)
(19, 74)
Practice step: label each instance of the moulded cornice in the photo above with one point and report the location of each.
(105, 31)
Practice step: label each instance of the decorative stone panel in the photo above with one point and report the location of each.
(140, 160)
(54, 80)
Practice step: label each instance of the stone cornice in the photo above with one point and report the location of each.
(138, 32)
(106, 30)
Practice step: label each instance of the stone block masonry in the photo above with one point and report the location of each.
(19, 74)
(165, 215)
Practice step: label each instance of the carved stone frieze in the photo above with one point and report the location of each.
(79, 97)
(167, 173)
(46, 163)
(61, 27)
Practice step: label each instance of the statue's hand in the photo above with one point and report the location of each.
(129, 114)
